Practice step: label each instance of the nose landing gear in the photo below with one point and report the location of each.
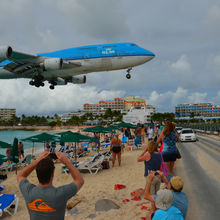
(128, 75)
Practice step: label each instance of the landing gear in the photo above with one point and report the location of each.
(51, 87)
(53, 84)
(128, 75)
(37, 81)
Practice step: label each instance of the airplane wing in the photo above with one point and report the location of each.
(23, 63)
(26, 64)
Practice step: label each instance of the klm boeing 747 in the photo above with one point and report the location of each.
(64, 66)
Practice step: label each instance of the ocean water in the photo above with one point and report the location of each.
(8, 136)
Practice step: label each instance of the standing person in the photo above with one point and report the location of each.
(97, 136)
(170, 152)
(20, 150)
(143, 134)
(44, 201)
(150, 133)
(116, 148)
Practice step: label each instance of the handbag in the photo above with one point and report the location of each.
(178, 155)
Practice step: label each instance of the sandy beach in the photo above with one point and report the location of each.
(96, 187)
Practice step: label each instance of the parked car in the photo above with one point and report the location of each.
(187, 134)
(179, 129)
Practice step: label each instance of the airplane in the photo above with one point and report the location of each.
(68, 65)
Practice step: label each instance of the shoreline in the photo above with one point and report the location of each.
(41, 128)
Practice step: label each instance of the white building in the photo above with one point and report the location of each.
(140, 114)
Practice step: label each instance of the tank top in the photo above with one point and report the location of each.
(153, 164)
(169, 143)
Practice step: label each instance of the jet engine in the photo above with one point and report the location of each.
(79, 79)
(5, 53)
(61, 81)
(53, 64)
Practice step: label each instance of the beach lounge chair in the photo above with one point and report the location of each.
(6, 200)
(92, 166)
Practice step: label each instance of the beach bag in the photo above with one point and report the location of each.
(163, 167)
(178, 155)
(105, 164)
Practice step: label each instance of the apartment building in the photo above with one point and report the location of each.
(206, 110)
(6, 114)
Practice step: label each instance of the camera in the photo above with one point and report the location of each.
(53, 156)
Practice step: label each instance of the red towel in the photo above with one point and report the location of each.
(119, 186)
(126, 200)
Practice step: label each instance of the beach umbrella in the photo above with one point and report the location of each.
(111, 127)
(5, 145)
(41, 138)
(3, 158)
(98, 129)
(125, 125)
(14, 153)
(77, 138)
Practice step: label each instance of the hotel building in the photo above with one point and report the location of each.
(200, 110)
(6, 114)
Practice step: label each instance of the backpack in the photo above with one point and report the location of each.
(105, 164)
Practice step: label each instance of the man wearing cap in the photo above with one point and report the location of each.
(166, 210)
(175, 185)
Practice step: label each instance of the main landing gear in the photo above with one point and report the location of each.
(53, 84)
(37, 81)
(128, 75)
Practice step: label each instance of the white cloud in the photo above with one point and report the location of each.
(181, 65)
(197, 97)
(213, 15)
(32, 100)
(217, 60)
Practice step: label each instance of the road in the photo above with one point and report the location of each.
(200, 169)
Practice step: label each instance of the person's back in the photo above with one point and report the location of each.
(169, 143)
(154, 163)
(46, 202)
(170, 214)
(181, 202)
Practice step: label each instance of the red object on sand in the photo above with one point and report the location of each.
(136, 199)
(144, 207)
(143, 218)
(119, 186)
(126, 200)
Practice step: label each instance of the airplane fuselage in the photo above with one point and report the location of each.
(85, 59)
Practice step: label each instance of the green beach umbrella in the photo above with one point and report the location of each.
(75, 137)
(111, 127)
(41, 138)
(98, 129)
(14, 153)
(5, 145)
(3, 158)
(125, 125)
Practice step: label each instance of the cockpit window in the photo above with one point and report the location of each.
(133, 44)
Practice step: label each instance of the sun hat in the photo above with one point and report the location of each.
(164, 199)
(176, 182)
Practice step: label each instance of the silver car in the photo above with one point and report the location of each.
(187, 134)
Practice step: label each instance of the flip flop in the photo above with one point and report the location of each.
(119, 186)
(126, 200)
(144, 207)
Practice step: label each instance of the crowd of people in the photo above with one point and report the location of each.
(171, 202)
(159, 156)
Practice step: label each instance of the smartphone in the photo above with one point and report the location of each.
(53, 156)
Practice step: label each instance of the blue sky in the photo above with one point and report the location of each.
(185, 37)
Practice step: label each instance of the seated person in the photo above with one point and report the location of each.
(152, 161)
(165, 209)
(175, 185)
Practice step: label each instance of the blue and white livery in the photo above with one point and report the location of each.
(63, 66)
